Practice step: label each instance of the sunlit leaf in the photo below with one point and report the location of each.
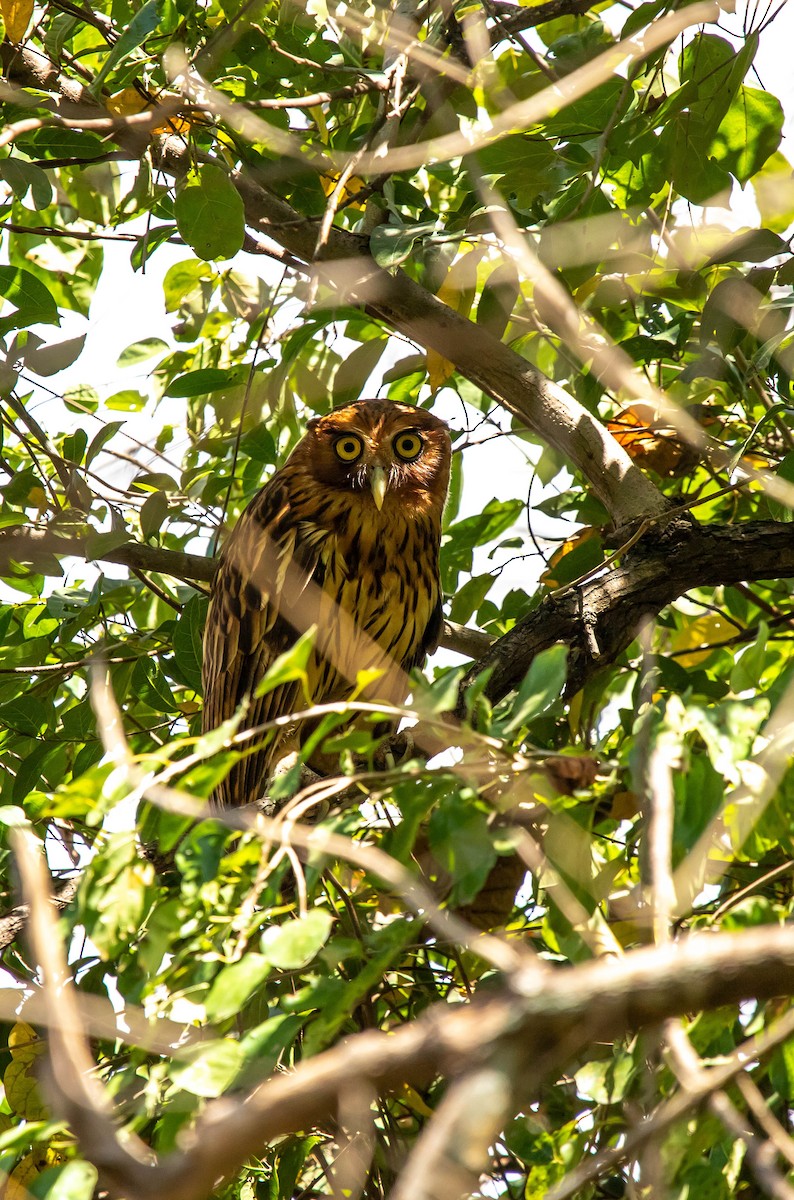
(295, 943)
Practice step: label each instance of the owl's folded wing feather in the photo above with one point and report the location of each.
(259, 604)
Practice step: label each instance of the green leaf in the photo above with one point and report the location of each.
(144, 22)
(461, 842)
(73, 447)
(294, 944)
(355, 370)
(751, 662)
(62, 143)
(154, 511)
(146, 245)
(201, 382)
(126, 401)
(25, 715)
(498, 299)
(259, 445)
(606, 1081)
(235, 984)
(100, 440)
(188, 637)
(265, 1043)
(391, 245)
(209, 1069)
(97, 545)
(750, 245)
(541, 687)
(26, 178)
(209, 214)
(48, 360)
(138, 352)
(81, 399)
(749, 133)
(781, 1070)
(441, 696)
(73, 1181)
(778, 510)
(385, 946)
(34, 303)
(291, 665)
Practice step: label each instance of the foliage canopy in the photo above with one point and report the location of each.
(487, 208)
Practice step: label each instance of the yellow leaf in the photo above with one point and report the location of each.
(575, 712)
(16, 16)
(460, 285)
(178, 126)
(22, 1092)
(570, 544)
(439, 370)
(366, 677)
(37, 497)
(24, 1042)
(457, 291)
(25, 1173)
(703, 631)
(414, 1101)
(128, 100)
(351, 188)
(19, 1079)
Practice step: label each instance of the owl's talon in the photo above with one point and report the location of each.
(399, 747)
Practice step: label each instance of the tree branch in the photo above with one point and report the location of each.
(512, 18)
(600, 617)
(36, 547)
(529, 1030)
(13, 923)
(501, 373)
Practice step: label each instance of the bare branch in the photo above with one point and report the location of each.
(12, 924)
(665, 564)
(513, 19)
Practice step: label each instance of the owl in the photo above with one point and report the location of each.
(344, 538)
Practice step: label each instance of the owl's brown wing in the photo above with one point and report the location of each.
(262, 577)
(429, 640)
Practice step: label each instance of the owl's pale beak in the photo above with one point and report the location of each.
(378, 481)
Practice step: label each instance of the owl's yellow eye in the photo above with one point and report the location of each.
(348, 447)
(408, 446)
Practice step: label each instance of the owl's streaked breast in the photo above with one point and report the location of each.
(376, 571)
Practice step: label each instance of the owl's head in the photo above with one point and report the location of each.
(391, 453)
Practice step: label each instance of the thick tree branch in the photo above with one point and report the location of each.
(501, 373)
(512, 18)
(599, 618)
(529, 1030)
